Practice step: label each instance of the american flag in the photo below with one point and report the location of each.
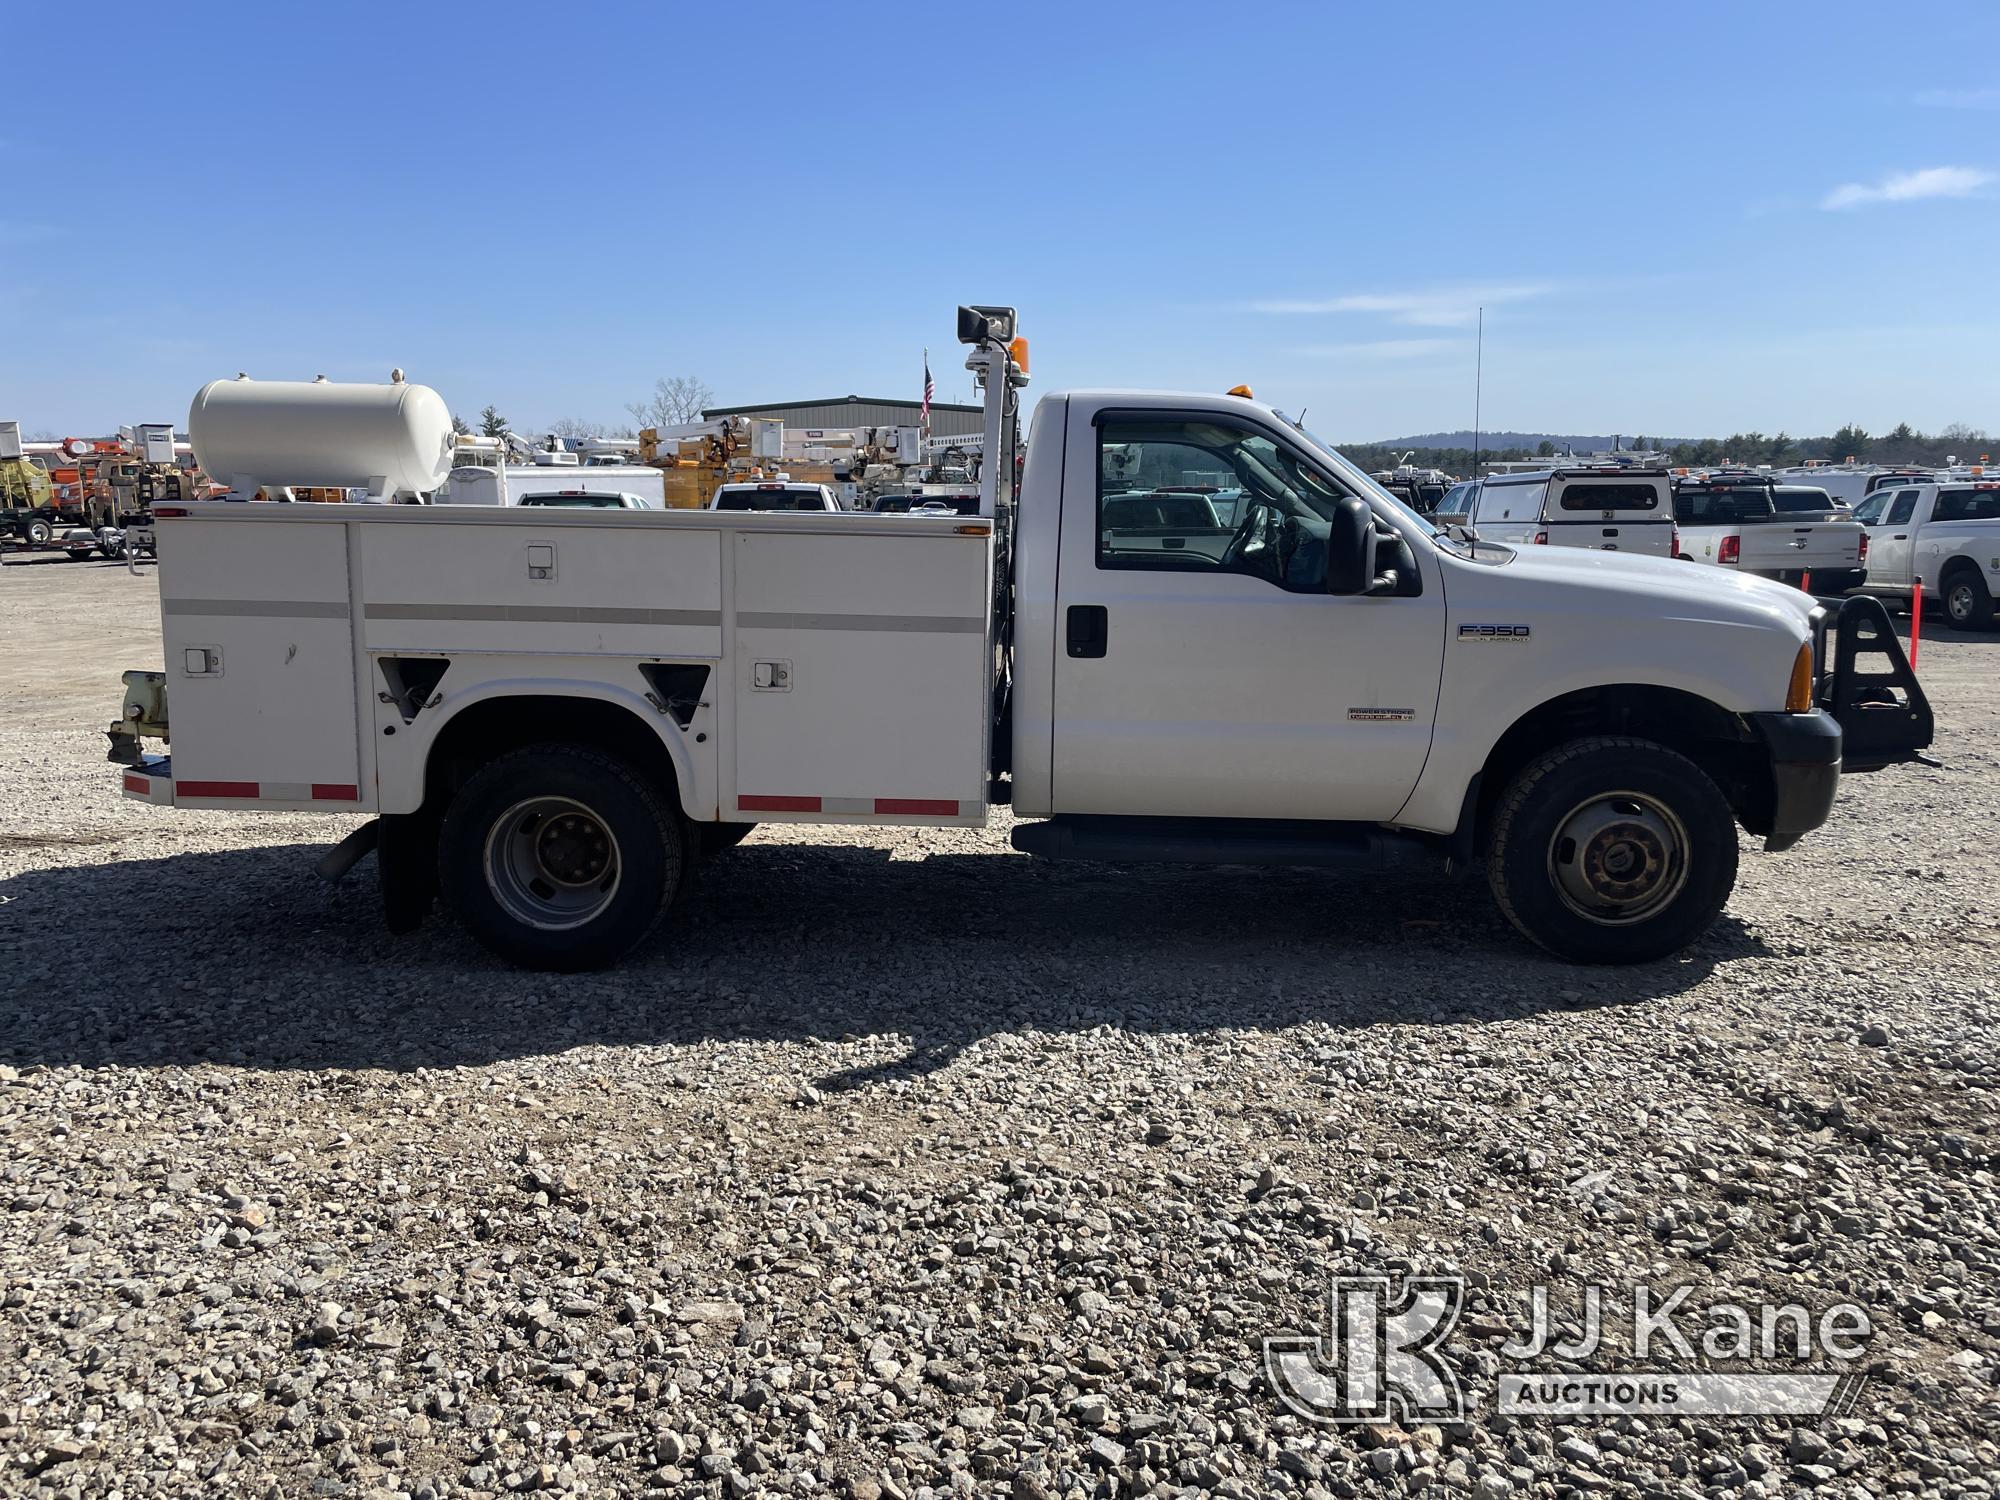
(930, 390)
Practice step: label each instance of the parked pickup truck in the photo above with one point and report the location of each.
(1736, 521)
(553, 715)
(1943, 531)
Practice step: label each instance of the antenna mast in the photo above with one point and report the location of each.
(1478, 382)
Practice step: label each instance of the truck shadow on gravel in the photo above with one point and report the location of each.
(245, 958)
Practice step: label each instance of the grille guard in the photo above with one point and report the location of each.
(1870, 688)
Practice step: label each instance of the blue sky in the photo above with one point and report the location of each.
(1683, 220)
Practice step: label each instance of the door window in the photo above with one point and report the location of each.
(1901, 508)
(1184, 495)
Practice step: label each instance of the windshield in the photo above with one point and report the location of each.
(1362, 483)
(585, 502)
(1795, 501)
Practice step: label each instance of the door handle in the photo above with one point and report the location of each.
(1086, 629)
(1901, 536)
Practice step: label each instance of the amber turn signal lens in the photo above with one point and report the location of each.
(1799, 693)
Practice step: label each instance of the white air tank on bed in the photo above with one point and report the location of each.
(393, 441)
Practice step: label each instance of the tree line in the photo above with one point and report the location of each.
(675, 401)
(1901, 445)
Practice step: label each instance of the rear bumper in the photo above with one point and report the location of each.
(151, 780)
(1804, 751)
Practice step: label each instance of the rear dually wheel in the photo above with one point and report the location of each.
(560, 856)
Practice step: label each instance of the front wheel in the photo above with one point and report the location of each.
(1612, 850)
(1967, 605)
(560, 857)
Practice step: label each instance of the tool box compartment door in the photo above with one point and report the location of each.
(259, 661)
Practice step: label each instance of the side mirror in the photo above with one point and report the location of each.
(1350, 548)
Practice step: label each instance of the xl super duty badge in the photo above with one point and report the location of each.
(1492, 632)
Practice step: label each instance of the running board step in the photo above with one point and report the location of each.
(1225, 841)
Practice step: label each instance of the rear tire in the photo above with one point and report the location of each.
(1967, 605)
(1612, 850)
(38, 531)
(560, 857)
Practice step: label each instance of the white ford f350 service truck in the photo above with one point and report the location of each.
(554, 715)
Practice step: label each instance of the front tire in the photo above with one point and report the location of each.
(1612, 850)
(560, 857)
(1967, 605)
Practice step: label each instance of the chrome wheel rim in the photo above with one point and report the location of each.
(1618, 858)
(552, 863)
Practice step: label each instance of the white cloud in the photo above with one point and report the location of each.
(1905, 187)
(1960, 99)
(1440, 307)
(1382, 349)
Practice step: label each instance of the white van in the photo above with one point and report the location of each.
(1611, 509)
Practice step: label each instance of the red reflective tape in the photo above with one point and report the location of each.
(218, 788)
(930, 807)
(137, 783)
(335, 791)
(778, 804)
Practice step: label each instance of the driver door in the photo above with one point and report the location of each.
(1191, 681)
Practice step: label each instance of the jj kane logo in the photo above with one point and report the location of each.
(1382, 1356)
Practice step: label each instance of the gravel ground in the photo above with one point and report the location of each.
(901, 1165)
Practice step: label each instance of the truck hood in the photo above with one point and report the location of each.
(1661, 585)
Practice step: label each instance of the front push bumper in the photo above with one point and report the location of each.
(1869, 713)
